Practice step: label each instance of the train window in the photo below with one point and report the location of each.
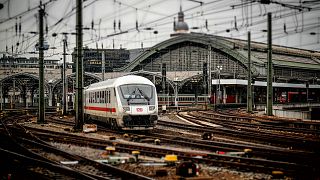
(102, 96)
(109, 96)
(108, 93)
(103, 100)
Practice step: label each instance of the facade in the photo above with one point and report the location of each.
(8, 62)
(92, 59)
(296, 72)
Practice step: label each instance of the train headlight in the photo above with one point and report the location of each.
(151, 108)
(125, 109)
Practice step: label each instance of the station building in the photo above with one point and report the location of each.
(177, 66)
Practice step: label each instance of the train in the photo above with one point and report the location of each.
(127, 103)
(183, 100)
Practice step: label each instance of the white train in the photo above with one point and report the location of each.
(128, 103)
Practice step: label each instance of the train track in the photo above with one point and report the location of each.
(294, 142)
(293, 169)
(265, 152)
(304, 126)
(20, 163)
(81, 168)
(258, 127)
(247, 164)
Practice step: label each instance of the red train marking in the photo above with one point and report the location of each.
(100, 109)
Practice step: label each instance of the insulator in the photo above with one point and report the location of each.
(174, 24)
(114, 25)
(20, 26)
(16, 27)
(206, 23)
(141, 45)
(119, 25)
(92, 24)
(285, 28)
(6, 48)
(235, 23)
(137, 27)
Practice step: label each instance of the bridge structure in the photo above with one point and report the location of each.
(295, 71)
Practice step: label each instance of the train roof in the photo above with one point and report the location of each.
(129, 79)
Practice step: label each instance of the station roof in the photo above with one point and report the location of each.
(282, 56)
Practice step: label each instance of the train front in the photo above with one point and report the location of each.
(139, 106)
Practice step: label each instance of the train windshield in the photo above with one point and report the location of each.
(137, 94)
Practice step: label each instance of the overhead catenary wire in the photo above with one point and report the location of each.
(165, 21)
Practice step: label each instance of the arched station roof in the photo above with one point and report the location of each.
(216, 42)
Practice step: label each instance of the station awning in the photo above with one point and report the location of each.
(260, 83)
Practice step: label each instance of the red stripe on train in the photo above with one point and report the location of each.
(100, 109)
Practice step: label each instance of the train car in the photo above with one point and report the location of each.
(127, 103)
(183, 100)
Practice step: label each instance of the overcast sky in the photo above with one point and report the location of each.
(299, 18)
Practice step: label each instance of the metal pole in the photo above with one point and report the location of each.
(219, 91)
(64, 85)
(270, 76)
(1, 96)
(13, 102)
(103, 68)
(176, 95)
(41, 69)
(209, 73)
(79, 69)
(249, 88)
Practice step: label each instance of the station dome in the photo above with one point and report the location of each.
(181, 26)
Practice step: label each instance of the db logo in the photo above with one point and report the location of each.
(139, 109)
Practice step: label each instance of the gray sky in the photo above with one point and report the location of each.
(300, 19)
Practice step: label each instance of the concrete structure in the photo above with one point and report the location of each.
(92, 59)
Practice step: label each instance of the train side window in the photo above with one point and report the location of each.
(100, 92)
(92, 100)
(105, 96)
(102, 96)
(109, 95)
